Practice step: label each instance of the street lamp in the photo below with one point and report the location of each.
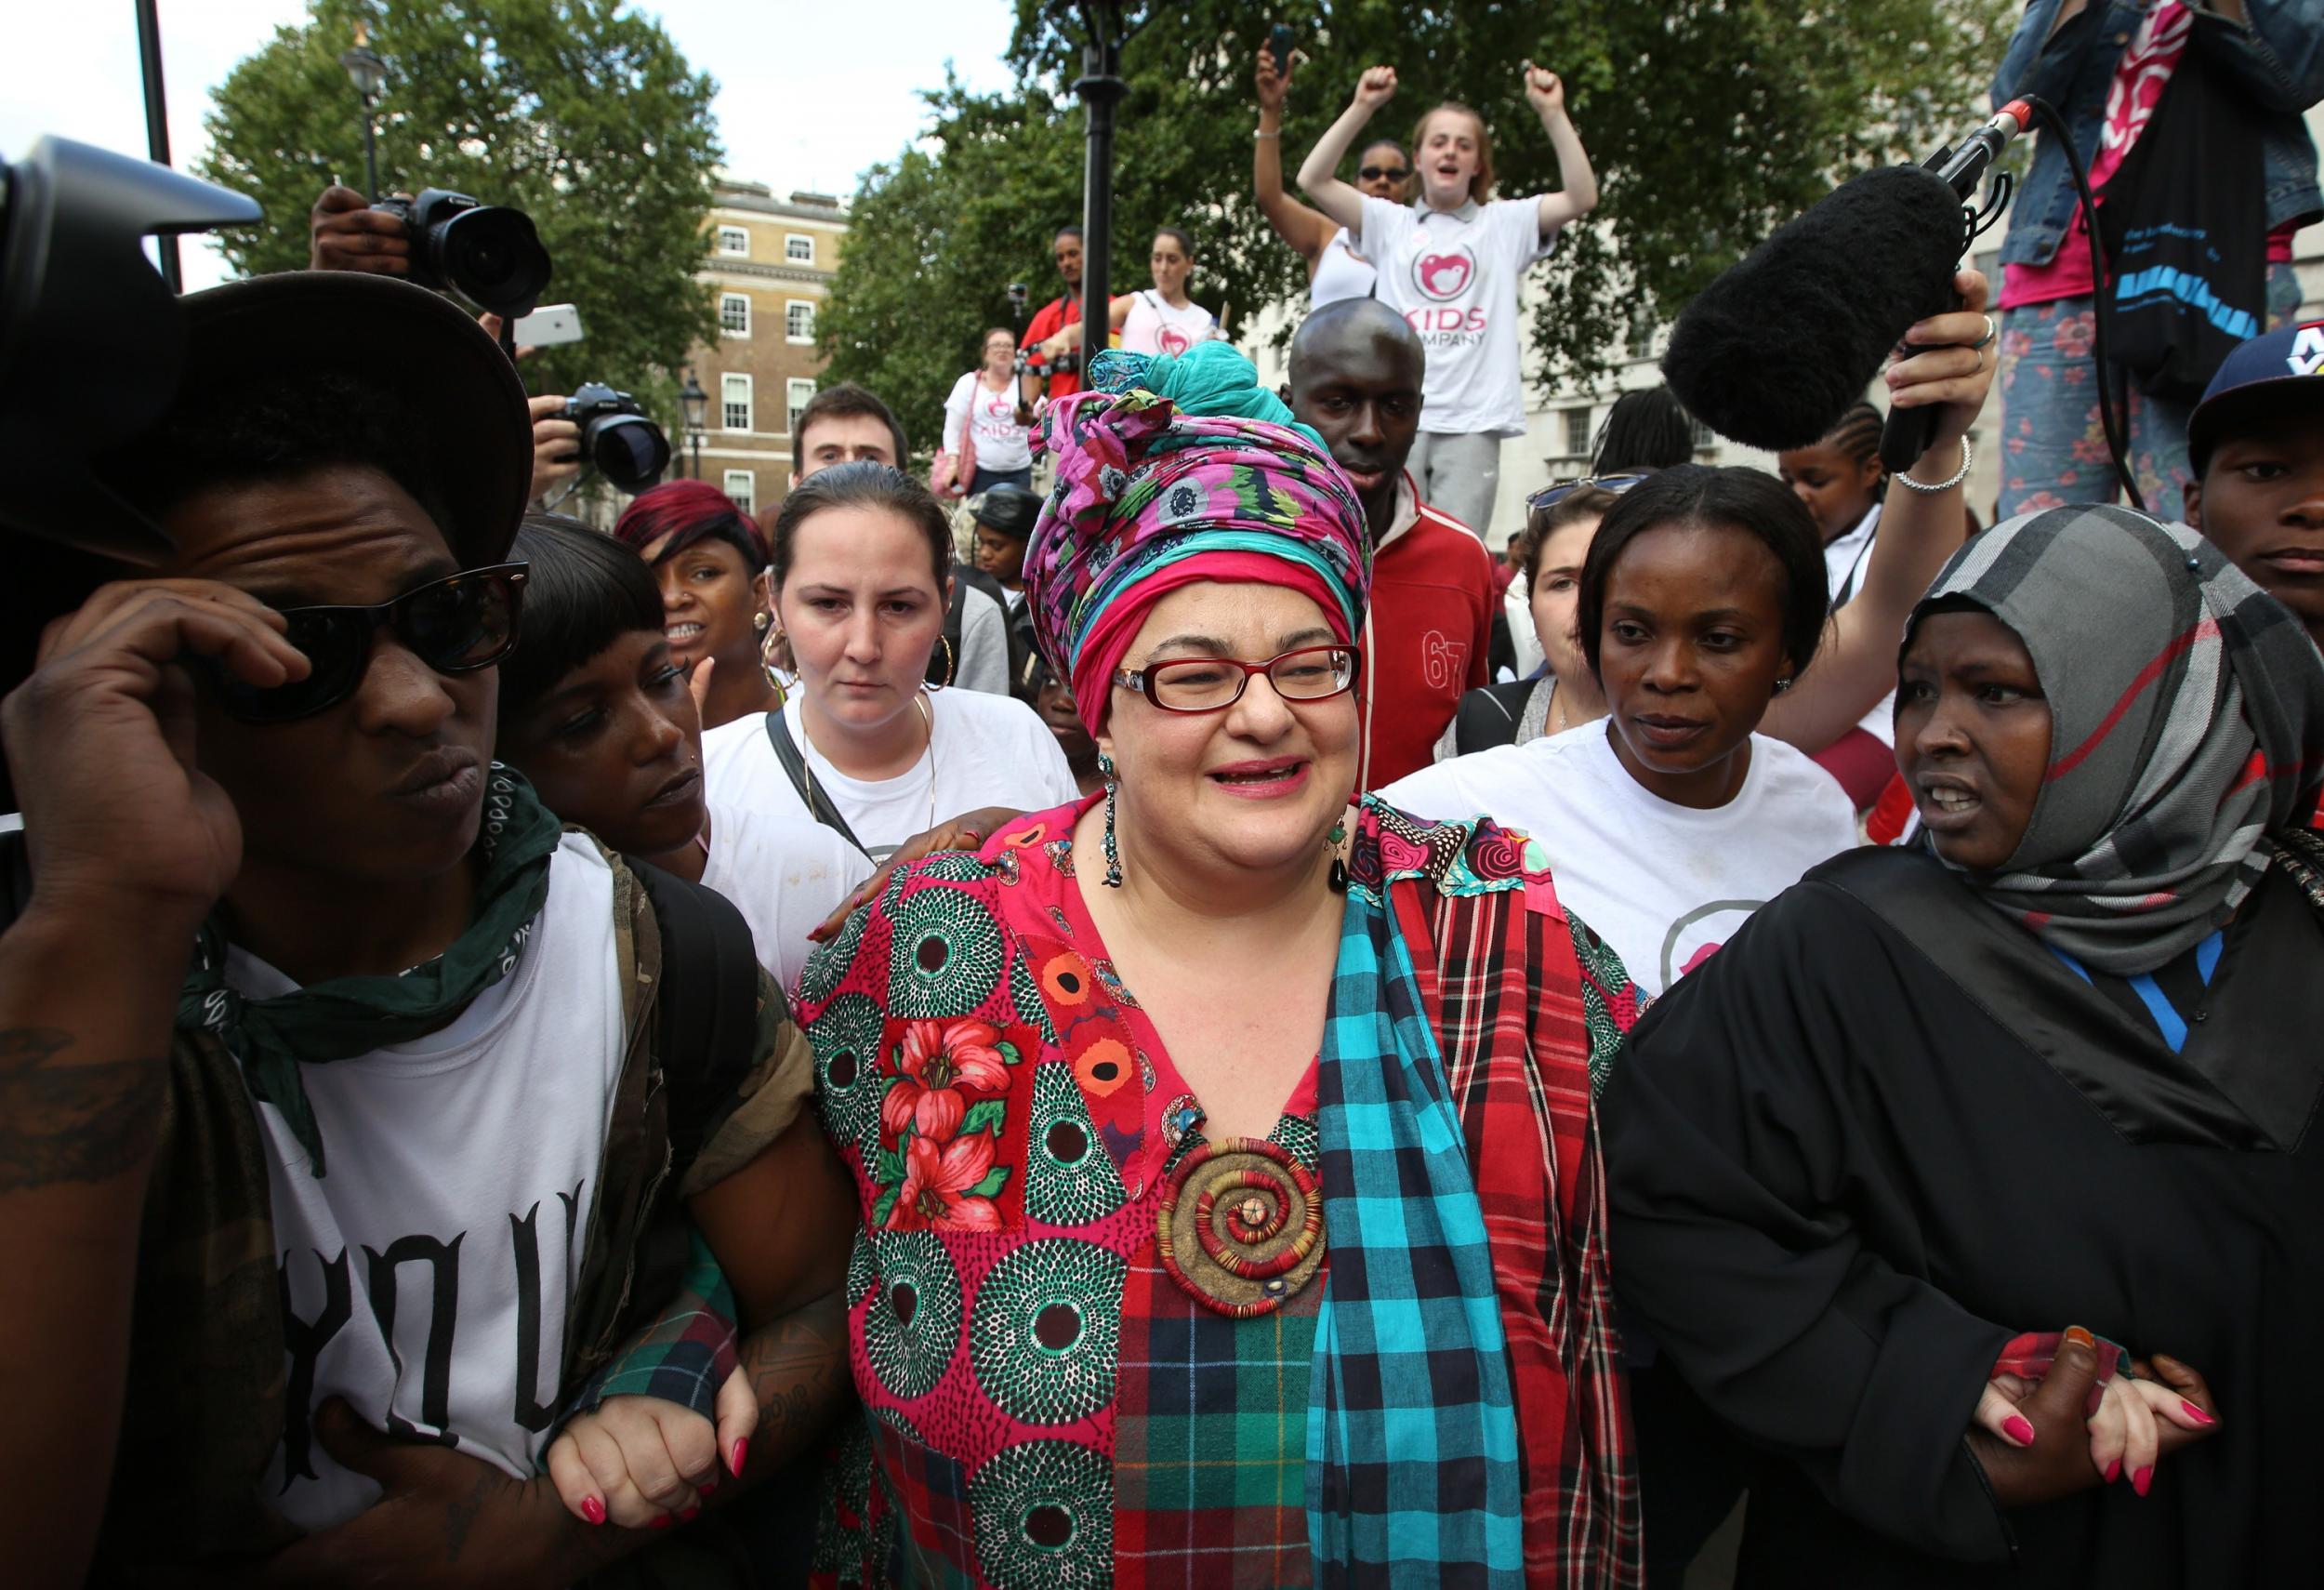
(697, 404)
(369, 73)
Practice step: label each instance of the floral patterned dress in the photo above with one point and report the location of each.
(1045, 1404)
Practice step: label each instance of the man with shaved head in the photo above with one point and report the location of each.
(1356, 377)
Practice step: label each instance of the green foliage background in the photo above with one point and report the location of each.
(581, 113)
(1708, 122)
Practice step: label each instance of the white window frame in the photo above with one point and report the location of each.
(734, 242)
(727, 301)
(1574, 447)
(791, 308)
(748, 500)
(791, 256)
(728, 386)
(796, 394)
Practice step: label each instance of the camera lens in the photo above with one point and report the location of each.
(493, 256)
(629, 451)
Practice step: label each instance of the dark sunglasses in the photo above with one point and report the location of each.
(1394, 173)
(1558, 491)
(455, 624)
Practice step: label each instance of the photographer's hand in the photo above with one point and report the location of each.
(556, 446)
(346, 233)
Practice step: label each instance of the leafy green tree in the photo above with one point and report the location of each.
(1709, 122)
(580, 113)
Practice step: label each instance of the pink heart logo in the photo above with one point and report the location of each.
(1442, 276)
(1173, 341)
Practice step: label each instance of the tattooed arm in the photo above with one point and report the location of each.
(129, 845)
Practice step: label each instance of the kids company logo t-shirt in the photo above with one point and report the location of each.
(1453, 276)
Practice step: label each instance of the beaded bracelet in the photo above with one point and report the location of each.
(1967, 457)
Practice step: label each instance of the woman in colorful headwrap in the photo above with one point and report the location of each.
(1227, 1158)
(2054, 1063)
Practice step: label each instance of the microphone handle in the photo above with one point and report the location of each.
(1906, 434)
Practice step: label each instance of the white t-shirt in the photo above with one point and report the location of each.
(428, 1274)
(987, 750)
(1001, 443)
(785, 874)
(1664, 884)
(1453, 276)
(1845, 559)
(1155, 326)
(1339, 274)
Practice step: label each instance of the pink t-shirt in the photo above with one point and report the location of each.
(2139, 79)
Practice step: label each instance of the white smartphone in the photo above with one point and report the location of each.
(552, 325)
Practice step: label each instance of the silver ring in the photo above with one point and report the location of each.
(1987, 338)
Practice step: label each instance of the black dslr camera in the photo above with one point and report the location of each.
(628, 448)
(490, 253)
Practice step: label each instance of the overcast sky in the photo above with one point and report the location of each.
(809, 92)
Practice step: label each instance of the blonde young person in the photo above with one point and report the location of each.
(1450, 265)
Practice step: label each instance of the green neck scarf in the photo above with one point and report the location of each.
(348, 1016)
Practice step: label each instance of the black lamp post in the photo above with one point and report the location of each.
(697, 404)
(369, 73)
(1101, 87)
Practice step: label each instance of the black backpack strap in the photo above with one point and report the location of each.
(794, 762)
(706, 1013)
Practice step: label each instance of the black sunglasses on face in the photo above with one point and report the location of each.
(455, 624)
(1394, 173)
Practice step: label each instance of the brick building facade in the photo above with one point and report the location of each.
(770, 262)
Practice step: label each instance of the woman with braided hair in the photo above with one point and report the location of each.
(1223, 1149)
(1840, 480)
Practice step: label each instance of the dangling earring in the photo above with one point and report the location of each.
(775, 638)
(1113, 857)
(1338, 865)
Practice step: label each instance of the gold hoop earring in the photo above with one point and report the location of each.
(775, 639)
(950, 663)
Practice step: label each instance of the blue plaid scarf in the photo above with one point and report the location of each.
(1412, 1466)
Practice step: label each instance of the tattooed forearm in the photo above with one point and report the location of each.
(72, 1122)
(796, 1367)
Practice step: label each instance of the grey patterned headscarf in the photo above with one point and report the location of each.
(2187, 720)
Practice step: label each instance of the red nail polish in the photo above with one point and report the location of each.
(2143, 1479)
(708, 1487)
(2113, 1469)
(689, 1514)
(592, 1509)
(741, 1445)
(2196, 1413)
(2016, 1428)
(661, 1521)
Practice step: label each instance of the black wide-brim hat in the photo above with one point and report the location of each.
(446, 371)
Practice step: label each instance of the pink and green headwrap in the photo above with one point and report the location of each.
(1172, 471)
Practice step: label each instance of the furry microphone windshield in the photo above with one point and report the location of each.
(1772, 352)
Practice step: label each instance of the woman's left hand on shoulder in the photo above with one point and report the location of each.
(1949, 359)
(967, 831)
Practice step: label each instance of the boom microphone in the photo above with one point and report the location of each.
(1772, 354)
